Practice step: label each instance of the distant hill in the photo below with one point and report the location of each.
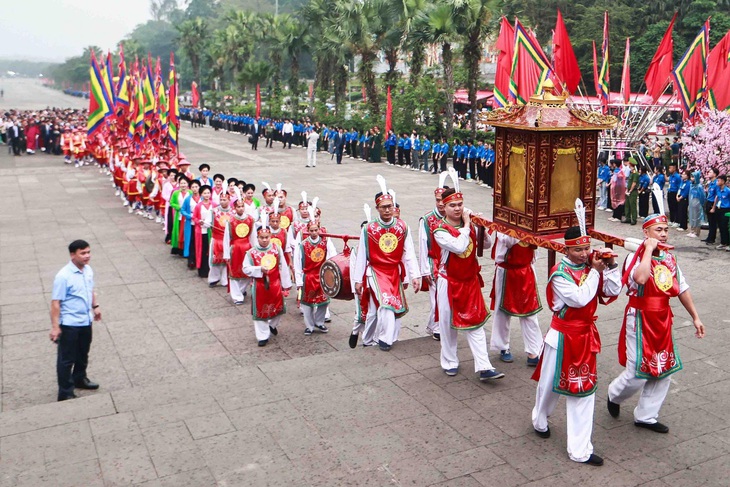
(285, 6)
(25, 68)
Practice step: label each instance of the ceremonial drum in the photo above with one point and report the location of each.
(334, 276)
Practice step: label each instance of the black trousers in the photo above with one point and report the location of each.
(407, 156)
(644, 203)
(400, 156)
(618, 212)
(204, 268)
(672, 204)
(391, 155)
(444, 160)
(712, 220)
(490, 174)
(654, 204)
(723, 222)
(73, 358)
(287, 140)
(682, 210)
(472, 168)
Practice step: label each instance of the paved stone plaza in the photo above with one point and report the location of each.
(188, 399)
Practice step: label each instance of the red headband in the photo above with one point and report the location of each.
(439, 191)
(655, 220)
(578, 242)
(382, 197)
(458, 196)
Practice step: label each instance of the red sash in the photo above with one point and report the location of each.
(385, 246)
(240, 231)
(656, 355)
(468, 310)
(221, 218)
(313, 256)
(519, 286)
(268, 297)
(579, 343)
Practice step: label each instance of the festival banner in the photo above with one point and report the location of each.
(603, 77)
(195, 94)
(564, 60)
(530, 66)
(389, 113)
(690, 73)
(258, 101)
(122, 90)
(99, 108)
(505, 45)
(626, 75)
(718, 75)
(173, 111)
(596, 84)
(657, 77)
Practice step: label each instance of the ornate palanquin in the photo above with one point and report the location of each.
(546, 157)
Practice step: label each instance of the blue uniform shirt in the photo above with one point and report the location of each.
(659, 179)
(407, 144)
(604, 173)
(445, 148)
(675, 180)
(426, 145)
(712, 191)
(644, 181)
(74, 288)
(723, 198)
(684, 189)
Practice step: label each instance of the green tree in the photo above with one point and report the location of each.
(193, 40)
(473, 18)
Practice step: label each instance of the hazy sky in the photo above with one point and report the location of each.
(52, 30)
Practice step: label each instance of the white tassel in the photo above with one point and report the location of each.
(278, 187)
(368, 212)
(392, 195)
(313, 208)
(276, 205)
(580, 212)
(659, 196)
(264, 219)
(266, 185)
(304, 197)
(381, 181)
(454, 178)
(237, 190)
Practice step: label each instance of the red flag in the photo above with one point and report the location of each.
(389, 114)
(505, 46)
(690, 73)
(564, 60)
(258, 101)
(660, 67)
(530, 67)
(626, 75)
(718, 75)
(364, 96)
(596, 85)
(196, 95)
(311, 90)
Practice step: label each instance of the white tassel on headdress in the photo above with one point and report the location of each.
(454, 178)
(368, 212)
(442, 178)
(313, 208)
(304, 197)
(381, 181)
(239, 196)
(276, 205)
(266, 185)
(392, 195)
(264, 223)
(580, 212)
(658, 197)
(278, 187)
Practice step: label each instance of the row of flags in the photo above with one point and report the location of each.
(701, 76)
(136, 102)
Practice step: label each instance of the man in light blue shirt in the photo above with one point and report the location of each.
(73, 308)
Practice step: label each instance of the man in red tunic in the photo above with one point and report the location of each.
(568, 362)
(514, 293)
(461, 306)
(286, 212)
(429, 254)
(646, 347)
(265, 264)
(218, 273)
(386, 258)
(309, 255)
(236, 242)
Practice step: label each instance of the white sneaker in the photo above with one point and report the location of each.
(131, 210)
(76, 165)
(609, 209)
(680, 229)
(126, 203)
(600, 208)
(692, 235)
(116, 193)
(158, 220)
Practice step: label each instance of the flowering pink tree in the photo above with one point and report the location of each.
(710, 142)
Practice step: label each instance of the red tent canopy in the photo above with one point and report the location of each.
(636, 99)
(462, 96)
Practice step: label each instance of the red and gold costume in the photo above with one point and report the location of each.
(268, 296)
(239, 238)
(221, 219)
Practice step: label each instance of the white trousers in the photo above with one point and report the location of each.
(262, 327)
(477, 338)
(653, 391)
(312, 156)
(432, 325)
(219, 274)
(238, 287)
(366, 326)
(579, 410)
(313, 315)
(531, 334)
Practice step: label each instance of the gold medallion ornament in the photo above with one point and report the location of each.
(242, 230)
(583, 278)
(285, 222)
(224, 218)
(663, 278)
(317, 255)
(277, 242)
(468, 250)
(388, 242)
(268, 262)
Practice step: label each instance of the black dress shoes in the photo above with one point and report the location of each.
(613, 409)
(262, 343)
(85, 383)
(543, 434)
(66, 398)
(594, 460)
(273, 331)
(353, 340)
(655, 427)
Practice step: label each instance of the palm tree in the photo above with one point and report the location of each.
(255, 73)
(437, 25)
(292, 41)
(473, 18)
(193, 40)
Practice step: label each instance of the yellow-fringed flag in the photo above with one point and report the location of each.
(174, 109)
(149, 94)
(99, 107)
(162, 106)
(122, 90)
(132, 114)
(690, 73)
